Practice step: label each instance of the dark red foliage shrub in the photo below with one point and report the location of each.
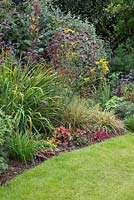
(45, 153)
(99, 136)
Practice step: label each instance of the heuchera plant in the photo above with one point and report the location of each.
(99, 136)
(63, 136)
(80, 137)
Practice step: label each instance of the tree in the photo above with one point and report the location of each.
(123, 13)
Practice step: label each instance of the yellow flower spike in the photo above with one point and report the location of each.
(62, 46)
(68, 31)
(92, 70)
(101, 61)
(106, 69)
(97, 63)
(86, 79)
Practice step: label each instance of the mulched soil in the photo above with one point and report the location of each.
(15, 168)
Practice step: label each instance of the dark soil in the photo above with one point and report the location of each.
(15, 168)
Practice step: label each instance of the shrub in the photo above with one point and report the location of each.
(114, 102)
(62, 136)
(78, 114)
(129, 123)
(122, 85)
(36, 22)
(80, 53)
(28, 95)
(99, 136)
(80, 137)
(122, 59)
(93, 10)
(21, 146)
(30, 27)
(113, 23)
(86, 8)
(124, 109)
(123, 24)
(45, 144)
(74, 115)
(44, 154)
(105, 121)
(5, 7)
(3, 165)
(127, 86)
(6, 128)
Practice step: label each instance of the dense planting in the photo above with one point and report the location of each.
(61, 84)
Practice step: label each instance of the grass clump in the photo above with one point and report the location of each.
(129, 123)
(21, 146)
(28, 95)
(79, 113)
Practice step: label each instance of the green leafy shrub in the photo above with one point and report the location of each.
(45, 144)
(6, 6)
(86, 8)
(107, 15)
(28, 95)
(3, 165)
(90, 9)
(6, 128)
(30, 27)
(127, 90)
(21, 146)
(122, 59)
(124, 109)
(123, 24)
(114, 102)
(129, 123)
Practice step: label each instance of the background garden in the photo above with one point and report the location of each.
(66, 75)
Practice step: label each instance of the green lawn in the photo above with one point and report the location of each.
(101, 172)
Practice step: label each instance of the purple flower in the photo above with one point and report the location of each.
(2, 61)
(43, 102)
(24, 53)
(29, 53)
(1, 35)
(2, 43)
(15, 63)
(32, 51)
